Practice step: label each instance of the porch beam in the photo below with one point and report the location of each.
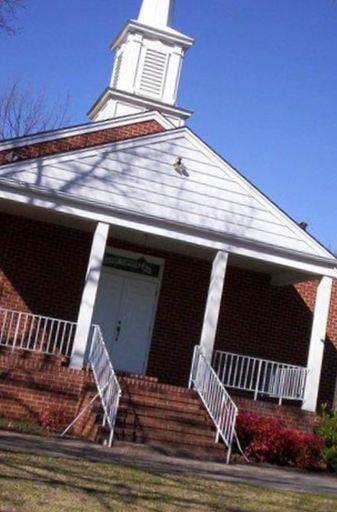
(316, 348)
(213, 304)
(89, 293)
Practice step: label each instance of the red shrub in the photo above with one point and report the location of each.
(53, 419)
(267, 440)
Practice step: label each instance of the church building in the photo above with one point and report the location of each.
(139, 267)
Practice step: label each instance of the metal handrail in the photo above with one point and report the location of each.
(215, 398)
(108, 387)
(36, 333)
(260, 376)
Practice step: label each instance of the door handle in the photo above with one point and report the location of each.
(118, 330)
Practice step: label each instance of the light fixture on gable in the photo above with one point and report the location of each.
(179, 167)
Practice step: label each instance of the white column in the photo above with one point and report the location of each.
(316, 348)
(86, 310)
(212, 310)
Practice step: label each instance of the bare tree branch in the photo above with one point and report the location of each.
(22, 112)
(8, 10)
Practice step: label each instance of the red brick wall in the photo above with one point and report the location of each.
(292, 417)
(42, 267)
(84, 140)
(260, 319)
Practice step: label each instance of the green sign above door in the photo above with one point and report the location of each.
(137, 266)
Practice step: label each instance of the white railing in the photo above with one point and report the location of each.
(260, 376)
(106, 380)
(26, 331)
(215, 398)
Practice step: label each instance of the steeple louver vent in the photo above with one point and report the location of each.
(153, 74)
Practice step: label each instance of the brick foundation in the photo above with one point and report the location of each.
(290, 415)
(30, 382)
(150, 412)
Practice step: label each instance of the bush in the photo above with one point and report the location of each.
(328, 430)
(330, 456)
(267, 440)
(53, 419)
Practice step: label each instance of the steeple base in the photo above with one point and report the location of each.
(113, 103)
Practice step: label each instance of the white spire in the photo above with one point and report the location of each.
(156, 13)
(147, 68)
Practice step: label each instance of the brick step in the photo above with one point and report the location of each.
(133, 377)
(162, 411)
(128, 385)
(145, 422)
(189, 443)
(162, 433)
(184, 401)
(167, 405)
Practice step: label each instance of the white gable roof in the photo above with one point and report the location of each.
(138, 176)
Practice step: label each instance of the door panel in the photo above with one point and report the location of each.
(124, 310)
(136, 312)
(107, 305)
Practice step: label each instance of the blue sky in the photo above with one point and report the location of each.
(262, 80)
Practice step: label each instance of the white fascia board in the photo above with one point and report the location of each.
(101, 212)
(90, 127)
(167, 34)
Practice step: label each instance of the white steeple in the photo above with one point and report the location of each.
(147, 67)
(156, 13)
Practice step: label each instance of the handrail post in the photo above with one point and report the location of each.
(258, 380)
(192, 376)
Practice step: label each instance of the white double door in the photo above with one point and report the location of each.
(125, 307)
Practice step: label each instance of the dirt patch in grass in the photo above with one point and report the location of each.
(34, 483)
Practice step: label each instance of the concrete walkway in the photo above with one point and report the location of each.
(155, 460)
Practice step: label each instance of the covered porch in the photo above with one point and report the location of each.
(245, 314)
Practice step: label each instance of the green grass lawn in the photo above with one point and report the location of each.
(30, 483)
